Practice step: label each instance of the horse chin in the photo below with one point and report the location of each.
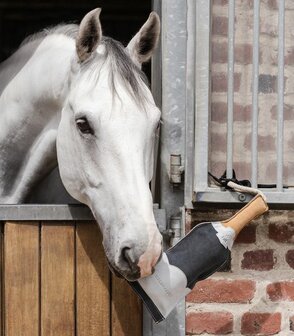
(125, 274)
(113, 270)
(132, 276)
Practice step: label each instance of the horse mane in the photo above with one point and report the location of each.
(121, 64)
(69, 30)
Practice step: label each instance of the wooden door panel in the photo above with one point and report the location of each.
(58, 279)
(57, 283)
(21, 278)
(126, 316)
(92, 282)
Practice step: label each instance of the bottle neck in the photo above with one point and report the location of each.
(255, 208)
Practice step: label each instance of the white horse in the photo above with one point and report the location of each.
(71, 96)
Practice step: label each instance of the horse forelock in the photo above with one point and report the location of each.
(120, 67)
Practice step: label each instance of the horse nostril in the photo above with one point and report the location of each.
(129, 257)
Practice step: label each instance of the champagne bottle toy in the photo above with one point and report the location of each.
(202, 252)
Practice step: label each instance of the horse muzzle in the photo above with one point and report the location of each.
(133, 265)
(128, 270)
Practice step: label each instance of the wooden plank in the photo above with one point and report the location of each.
(21, 241)
(126, 310)
(92, 281)
(57, 274)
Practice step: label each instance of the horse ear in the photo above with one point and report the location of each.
(89, 35)
(142, 45)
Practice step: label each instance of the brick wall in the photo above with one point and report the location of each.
(243, 89)
(256, 296)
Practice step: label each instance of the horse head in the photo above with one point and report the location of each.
(105, 142)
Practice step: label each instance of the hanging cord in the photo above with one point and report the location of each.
(223, 180)
(249, 190)
(243, 186)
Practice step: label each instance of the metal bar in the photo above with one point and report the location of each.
(280, 110)
(156, 89)
(202, 93)
(29, 212)
(172, 137)
(231, 55)
(217, 196)
(45, 212)
(190, 102)
(172, 141)
(255, 80)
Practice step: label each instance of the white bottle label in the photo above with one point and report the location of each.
(226, 235)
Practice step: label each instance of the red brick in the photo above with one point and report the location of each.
(290, 142)
(265, 142)
(288, 112)
(242, 112)
(258, 260)
(281, 291)
(260, 323)
(218, 141)
(271, 4)
(282, 232)
(220, 25)
(243, 53)
(219, 52)
(271, 170)
(289, 52)
(290, 258)
(242, 169)
(217, 168)
(219, 2)
(247, 235)
(289, 56)
(217, 323)
(291, 320)
(267, 83)
(222, 291)
(219, 111)
(219, 82)
(247, 4)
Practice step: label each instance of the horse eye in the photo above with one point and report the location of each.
(84, 126)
